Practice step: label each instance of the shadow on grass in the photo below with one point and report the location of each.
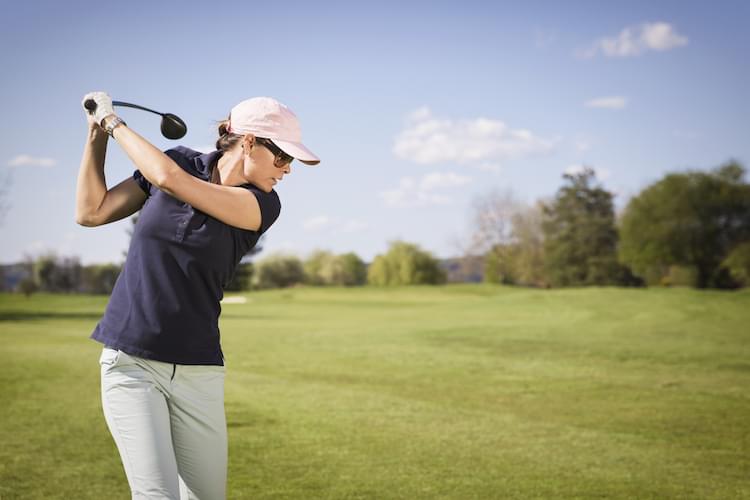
(41, 315)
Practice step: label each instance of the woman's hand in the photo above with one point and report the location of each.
(103, 108)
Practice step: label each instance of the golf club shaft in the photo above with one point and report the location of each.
(91, 106)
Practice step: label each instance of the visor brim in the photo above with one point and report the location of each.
(298, 151)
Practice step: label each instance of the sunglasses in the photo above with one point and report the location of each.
(281, 159)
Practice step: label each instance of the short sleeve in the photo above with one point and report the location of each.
(142, 182)
(270, 207)
(177, 154)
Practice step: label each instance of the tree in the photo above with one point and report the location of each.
(278, 271)
(499, 264)
(353, 270)
(28, 286)
(493, 221)
(691, 219)
(57, 274)
(738, 264)
(242, 278)
(527, 262)
(580, 237)
(509, 234)
(99, 279)
(325, 268)
(405, 264)
(314, 266)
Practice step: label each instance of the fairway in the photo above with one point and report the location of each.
(454, 392)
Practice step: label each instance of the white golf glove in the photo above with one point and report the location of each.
(103, 105)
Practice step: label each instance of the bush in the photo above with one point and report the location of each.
(28, 286)
(57, 274)
(314, 266)
(680, 276)
(242, 278)
(278, 271)
(738, 264)
(325, 268)
(405, 264)
(354, 269)
(498, 265)
(99, 279)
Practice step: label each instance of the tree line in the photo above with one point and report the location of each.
(689, 228)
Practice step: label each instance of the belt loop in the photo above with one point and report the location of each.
(174, 369)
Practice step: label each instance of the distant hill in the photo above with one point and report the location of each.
(463, 269)
(11, 275)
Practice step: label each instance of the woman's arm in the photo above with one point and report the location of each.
(232, 205)
(95, 205)
(91, 187)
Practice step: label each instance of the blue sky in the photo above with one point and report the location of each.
(415, 108)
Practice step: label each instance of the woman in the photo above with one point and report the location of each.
(162, 368)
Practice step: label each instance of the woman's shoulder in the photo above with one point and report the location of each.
(182, 152)
(194, 162)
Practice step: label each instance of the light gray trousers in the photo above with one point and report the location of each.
(169, 426)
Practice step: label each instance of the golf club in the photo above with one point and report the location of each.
(172, 126)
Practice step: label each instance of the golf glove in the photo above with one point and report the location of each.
(103, 105)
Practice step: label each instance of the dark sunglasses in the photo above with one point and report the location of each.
(281, 159)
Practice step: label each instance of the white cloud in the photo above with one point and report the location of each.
(436, 180)
(322, 223)
(479, 141)
(413, 192)
(635, 40)
(27, 160)
(661, 36)
(601, 173)
(316, 223)
(489, 167)
(612, 102)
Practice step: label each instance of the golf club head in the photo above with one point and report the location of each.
(172, 126)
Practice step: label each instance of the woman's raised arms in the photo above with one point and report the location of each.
(124, 199)
(232, 205)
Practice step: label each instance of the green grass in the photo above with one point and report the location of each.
(463, 391)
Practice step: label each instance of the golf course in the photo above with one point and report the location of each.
(421, 392)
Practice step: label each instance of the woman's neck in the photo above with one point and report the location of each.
(227, 169)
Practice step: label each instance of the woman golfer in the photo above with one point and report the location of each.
(162, 368)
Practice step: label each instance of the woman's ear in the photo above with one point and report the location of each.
(248, 142)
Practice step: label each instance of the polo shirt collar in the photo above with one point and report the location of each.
(205, 162)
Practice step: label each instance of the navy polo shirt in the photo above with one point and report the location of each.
(165, 303)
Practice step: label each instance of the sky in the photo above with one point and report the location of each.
(416, 109)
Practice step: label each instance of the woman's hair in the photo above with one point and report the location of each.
(226, 140)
